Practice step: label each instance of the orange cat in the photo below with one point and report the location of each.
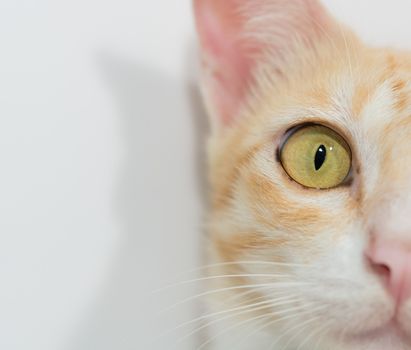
(310, 176)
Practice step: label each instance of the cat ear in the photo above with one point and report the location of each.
(234, 34)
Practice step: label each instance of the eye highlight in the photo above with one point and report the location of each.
(316, 156)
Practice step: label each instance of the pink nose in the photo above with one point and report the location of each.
(392, 261)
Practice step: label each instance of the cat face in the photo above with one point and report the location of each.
(310, 176)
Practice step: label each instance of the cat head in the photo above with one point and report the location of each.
(310, 172)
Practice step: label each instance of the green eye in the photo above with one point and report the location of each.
(316, 156)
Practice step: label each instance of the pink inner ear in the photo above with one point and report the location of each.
(225, 55)
(230, 51)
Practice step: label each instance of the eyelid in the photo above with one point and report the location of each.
(293, 129)
(290, 132)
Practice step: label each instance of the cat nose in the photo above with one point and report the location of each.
(392, 262)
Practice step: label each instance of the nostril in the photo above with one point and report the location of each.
(381, 269)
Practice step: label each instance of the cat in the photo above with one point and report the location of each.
(309, 231)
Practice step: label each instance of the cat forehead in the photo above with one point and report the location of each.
(377, 93)
(368, 95)
(371, 103)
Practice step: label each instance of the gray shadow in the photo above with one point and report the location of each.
(158, 200)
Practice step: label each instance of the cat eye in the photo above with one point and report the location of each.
(316, 156)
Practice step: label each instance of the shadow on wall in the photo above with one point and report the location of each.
(158, 202)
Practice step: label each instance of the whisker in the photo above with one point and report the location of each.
(298, 326)
(230, 316)
(347, 51)
(220, 290)
(238, 296)
(271, 290)
(267, 315)
(323, 31)
(316, 331)
(343, 332)
(321, 338)
(278, 320)
(251, 307)
(250, 320)
(267, 303)
(217, 277)
(235, 263)
(301, 327)
(270, 295)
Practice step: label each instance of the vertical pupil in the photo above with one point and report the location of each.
(320, 157)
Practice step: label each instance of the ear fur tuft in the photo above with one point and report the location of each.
(234, 34)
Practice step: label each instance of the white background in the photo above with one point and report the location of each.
(101, 175)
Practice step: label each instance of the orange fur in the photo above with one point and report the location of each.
(259, 213)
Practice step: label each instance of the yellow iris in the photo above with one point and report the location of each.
(316, 156)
